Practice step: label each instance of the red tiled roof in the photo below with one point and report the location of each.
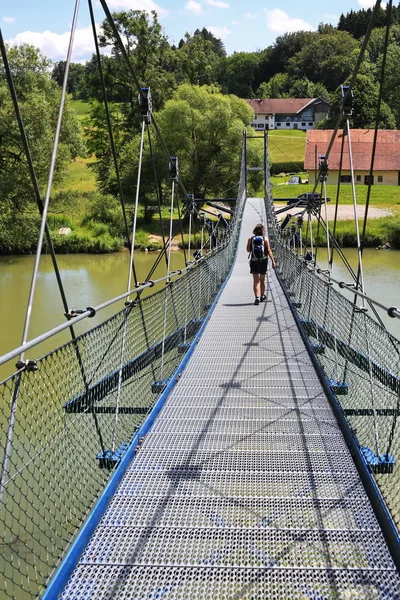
(279, 106)
(387, 155)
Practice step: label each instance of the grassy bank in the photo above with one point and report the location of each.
(378, 232)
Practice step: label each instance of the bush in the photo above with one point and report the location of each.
(106, 210)
(379, 231)
(85, 242)
(286, 167)
(19, 234)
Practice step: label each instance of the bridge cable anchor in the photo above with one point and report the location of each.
(79, 311)
(145, 104)
(27, 365)
(346, 102)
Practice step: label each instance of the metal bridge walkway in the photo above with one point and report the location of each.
(244, 486)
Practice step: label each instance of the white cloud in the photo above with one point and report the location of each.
(280, 22)
(55, 45)
(217, 3)
(148, 5)
(194, 7)
(249, 16)
(219, 32)
(8, 20)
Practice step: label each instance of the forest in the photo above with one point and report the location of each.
(198, 94)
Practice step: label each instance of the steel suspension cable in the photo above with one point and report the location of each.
(137, 83)
(168, 282)
(337, 198)
(14, 401)
(136, 207)
(354, 196)
(356, 69)
(38, 197)
(378, 115)
(32, 172)
(109, 126)
(159, 197)
(50, 180)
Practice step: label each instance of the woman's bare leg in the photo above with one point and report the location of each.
(256, 284)
(262, 284)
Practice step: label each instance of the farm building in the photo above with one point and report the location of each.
(387, 156)
(288, 113)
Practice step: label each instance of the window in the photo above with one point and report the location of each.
(358, 177)
(303, 124)
(345, 178)
(278, 124)
(266, 117)
(287, 124)
(380, 178)
(311, 124)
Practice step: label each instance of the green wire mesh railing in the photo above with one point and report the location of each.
(83, 399)
(359, 357)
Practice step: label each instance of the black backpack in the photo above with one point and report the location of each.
(258, 247)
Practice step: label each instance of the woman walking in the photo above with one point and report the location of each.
(259, 250)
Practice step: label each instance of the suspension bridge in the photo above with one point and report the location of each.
(194, 445)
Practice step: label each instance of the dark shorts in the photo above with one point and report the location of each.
(259, 267)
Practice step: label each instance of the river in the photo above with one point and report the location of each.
(90, 280)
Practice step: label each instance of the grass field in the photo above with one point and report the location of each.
(382, 195)
(81, 107)
(80, 177)
(284, 146)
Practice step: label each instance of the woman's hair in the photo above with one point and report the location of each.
(259, 229)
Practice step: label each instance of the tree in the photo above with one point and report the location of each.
(238, 73)
(392, 80)
(364, 107)
(217, 43)
(286, 46)
(204, 130)
(39, 99)
(76, 85)
(149, 52)
(277, 87)
(197, 59)
(328, 58)
(356, 22)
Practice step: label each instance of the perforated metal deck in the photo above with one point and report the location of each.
(244, 487)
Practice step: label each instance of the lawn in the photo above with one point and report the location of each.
(80, 177)
(285, 146)
(81, 107)
(382, 195)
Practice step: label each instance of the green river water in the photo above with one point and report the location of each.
(90, 280)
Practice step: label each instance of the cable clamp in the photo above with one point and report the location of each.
(27, 365)
(346, 103)
(393, 312)
(131, 302)
(145, 104)
(174, 168)
(360, 309)
(323, 168)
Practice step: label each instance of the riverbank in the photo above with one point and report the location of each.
(383, 225)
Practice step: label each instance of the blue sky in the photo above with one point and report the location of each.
(246, 25)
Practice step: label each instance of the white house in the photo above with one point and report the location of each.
(288, 113)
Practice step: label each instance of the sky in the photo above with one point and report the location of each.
(243, 25)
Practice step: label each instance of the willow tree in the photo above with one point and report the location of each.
(204, 129)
